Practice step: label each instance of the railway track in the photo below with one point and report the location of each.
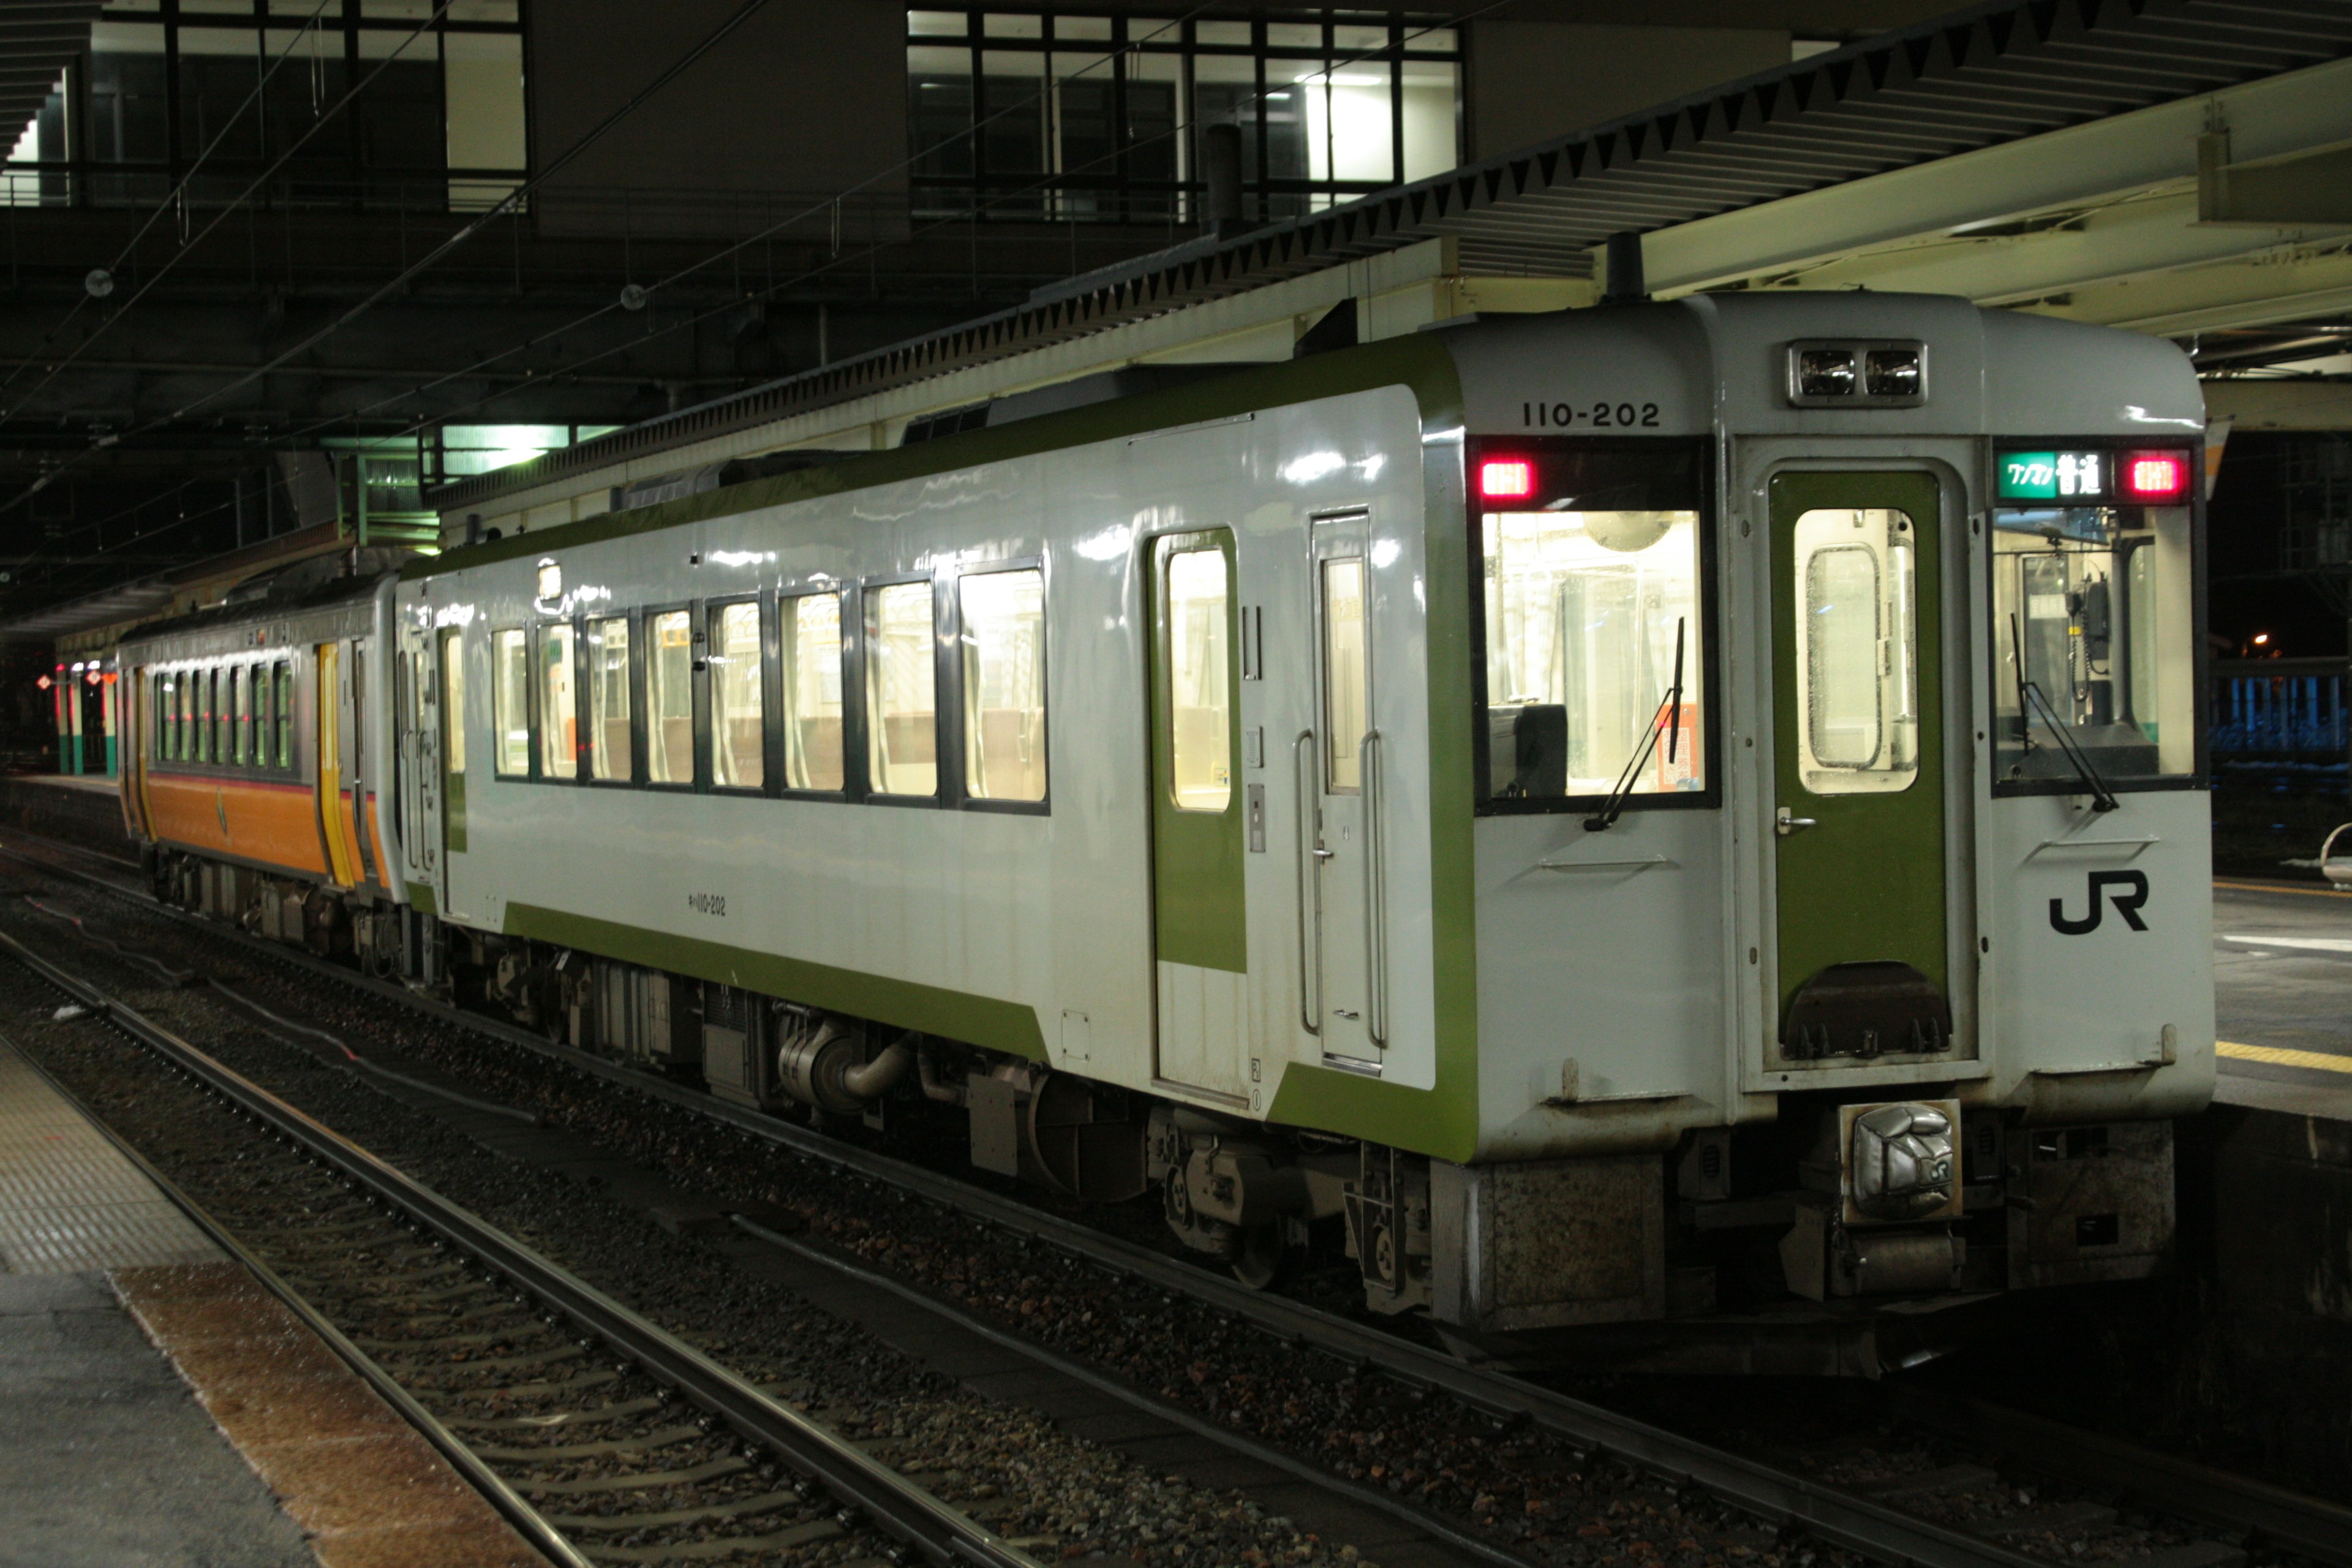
(1910, 1519)
(599, 1434)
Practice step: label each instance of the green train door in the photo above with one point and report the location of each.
(1859, 821)
(1199, 936)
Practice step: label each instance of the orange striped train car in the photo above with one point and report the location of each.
(259, 766)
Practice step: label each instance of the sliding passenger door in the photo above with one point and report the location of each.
(1859, 818)
(1198, 935)
(1337, 769)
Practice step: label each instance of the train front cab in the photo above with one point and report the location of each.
(1925, 881)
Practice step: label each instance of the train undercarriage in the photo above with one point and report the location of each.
(1832, 1239)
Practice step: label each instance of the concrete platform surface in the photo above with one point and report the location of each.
(160, 1408)
(2282, 983)
(106, 1458)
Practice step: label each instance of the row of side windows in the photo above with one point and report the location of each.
(225, 715)
(756, 695)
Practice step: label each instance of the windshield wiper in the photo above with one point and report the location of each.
(2029, 692)
(1669, 717)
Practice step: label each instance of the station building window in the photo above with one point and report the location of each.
(1070, 117)
(440, 126)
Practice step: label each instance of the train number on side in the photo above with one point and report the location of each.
(711, 904)
(1602, 416)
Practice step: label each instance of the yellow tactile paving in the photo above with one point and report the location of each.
(2281, 1056)
(69, 1200)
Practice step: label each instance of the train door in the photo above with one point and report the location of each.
(332, 722)
(420, 770)
(1859, 818)
(355, 758)
(1338, 764)
(1199, 934)
(450, 746)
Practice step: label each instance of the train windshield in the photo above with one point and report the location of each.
(1594, 622)
(2094, 643)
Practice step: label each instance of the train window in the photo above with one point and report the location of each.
(510, 702)
(285, 714)
(265, 693)
(611, 753)
(809, 630)
(2092, 634)
(1592, 611)
(1003, 617)
(901, 690)
(558, 718)
(240, 702)
(739, 731)
(1200, 740)
(1346, 704)
(216, 747)
(1857, 654)
(188, 747)
(669, 698)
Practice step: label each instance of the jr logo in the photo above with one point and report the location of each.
(2127, 903)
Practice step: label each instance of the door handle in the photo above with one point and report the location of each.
(1786, 822)
(1321, 854)
(1310, 991)
(1376, 894)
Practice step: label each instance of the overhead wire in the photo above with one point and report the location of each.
(176, 195)
(147, 285)
(835, 263)
(980, 209)
(742, 14)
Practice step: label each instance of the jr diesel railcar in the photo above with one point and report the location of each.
(1628, 814)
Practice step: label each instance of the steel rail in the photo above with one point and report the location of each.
(494, 1488)
(895, 1505)
(2309, 1524)
(2312, 1526)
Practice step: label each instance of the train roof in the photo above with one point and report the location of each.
(2007, 372)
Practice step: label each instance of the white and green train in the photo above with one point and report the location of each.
(1641, 813)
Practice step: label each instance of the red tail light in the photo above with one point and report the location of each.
(2155, 477)
(1506, 478)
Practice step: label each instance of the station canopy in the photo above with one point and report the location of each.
(1966, 119)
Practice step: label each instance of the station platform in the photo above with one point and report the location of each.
(2282, 977)
(160, 1409)
(76, 808)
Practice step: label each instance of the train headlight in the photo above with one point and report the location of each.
(1858, 372)
(1825, 373)
(1892, 373)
